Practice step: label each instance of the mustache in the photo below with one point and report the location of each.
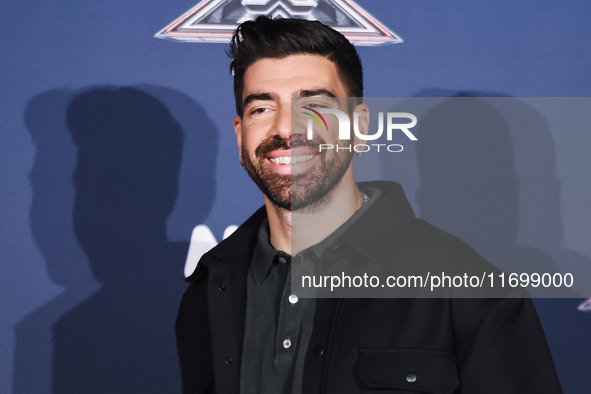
(277, 142)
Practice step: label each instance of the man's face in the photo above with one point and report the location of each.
(277, 157)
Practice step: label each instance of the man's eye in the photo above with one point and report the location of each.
(257, 111)
(315, 105)
(318, 103)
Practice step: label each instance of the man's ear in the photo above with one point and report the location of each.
(238, 129)
(362, 111)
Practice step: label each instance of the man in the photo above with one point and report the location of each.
(240, 328)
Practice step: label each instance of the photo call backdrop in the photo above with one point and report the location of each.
(115, 145)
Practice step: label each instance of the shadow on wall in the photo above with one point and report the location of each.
(467, 159)
(197, 175)
(125, 181)
(50, 216)
(469, 185)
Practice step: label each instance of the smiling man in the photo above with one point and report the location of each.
(241, 328)
(275, 158)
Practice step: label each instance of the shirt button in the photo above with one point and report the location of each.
(282, 260)
(411, 377)
(293, 298)
(221, 287)
(228, 360)
(287, 343)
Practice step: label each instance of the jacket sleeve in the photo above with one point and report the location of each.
(503, 351)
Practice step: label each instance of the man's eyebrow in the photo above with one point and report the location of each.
(315, 92)
(259, 96)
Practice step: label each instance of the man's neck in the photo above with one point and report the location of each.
(293, 232)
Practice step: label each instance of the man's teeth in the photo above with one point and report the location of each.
(291, 159)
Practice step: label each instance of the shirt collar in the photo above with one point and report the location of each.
(374, 227)
(331, 248)
(265, 255)
(368, 232)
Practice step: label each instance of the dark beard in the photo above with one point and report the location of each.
(308, 188)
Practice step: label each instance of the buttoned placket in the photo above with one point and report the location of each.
(286, 334)
(293, 317)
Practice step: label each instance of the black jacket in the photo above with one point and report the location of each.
(382, 345)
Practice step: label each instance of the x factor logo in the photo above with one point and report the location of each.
(585, 306)
(214, 21)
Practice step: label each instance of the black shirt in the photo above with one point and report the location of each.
(278, 324)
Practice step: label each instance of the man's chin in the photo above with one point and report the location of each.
(291, 204)
(280, 202)
(294, 192)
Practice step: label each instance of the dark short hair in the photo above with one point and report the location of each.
(279, 38)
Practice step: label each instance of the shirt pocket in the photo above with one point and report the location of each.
(400, 370)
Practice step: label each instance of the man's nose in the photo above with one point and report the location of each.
(283, 121)
(291, 120)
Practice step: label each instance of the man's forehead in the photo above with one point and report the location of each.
(298, 75)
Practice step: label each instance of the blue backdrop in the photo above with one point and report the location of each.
(114, 145)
